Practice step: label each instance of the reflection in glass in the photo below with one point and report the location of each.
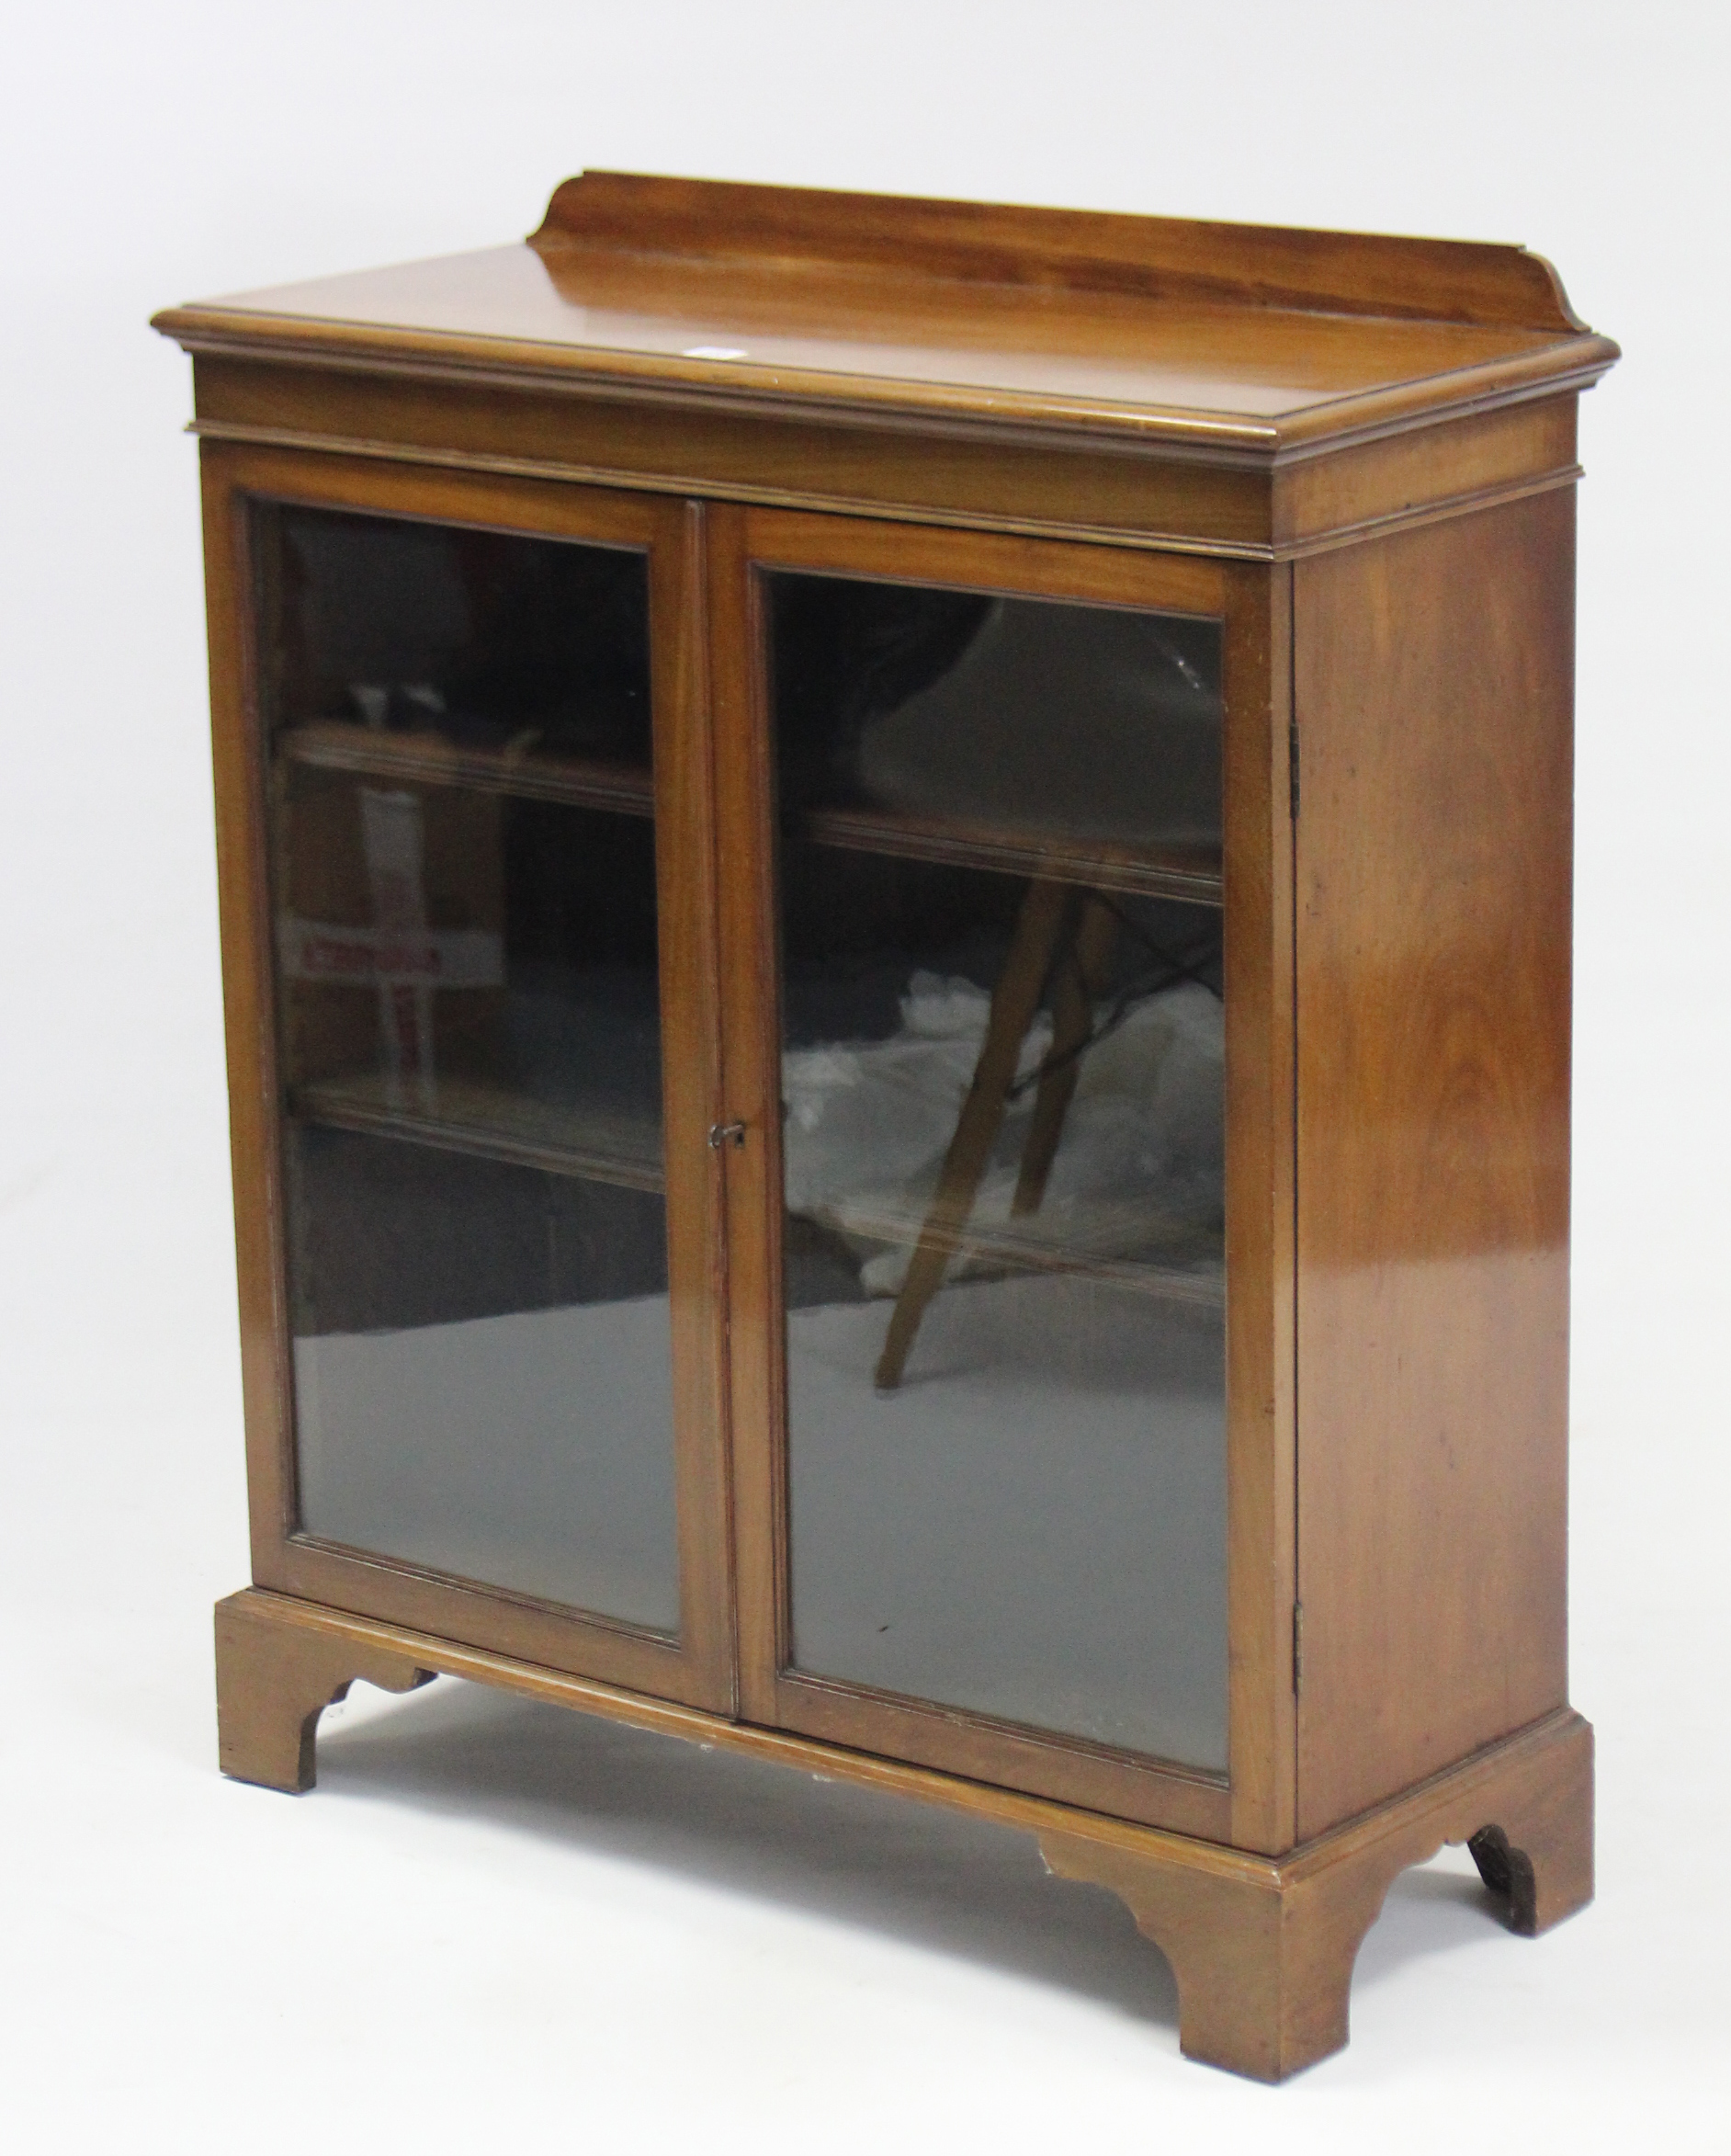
(1005, 1157)
(471, 1051)
(1005, 714)
(481, 639)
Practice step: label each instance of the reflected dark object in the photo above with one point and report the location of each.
(1075, 721)
(846, 654)
(482, 638)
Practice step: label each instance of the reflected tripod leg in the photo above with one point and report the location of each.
(1080, 979)
(1048, 914)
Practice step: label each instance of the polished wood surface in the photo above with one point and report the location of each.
(1399, 480)
(1253, 506)
(988, 561)
(793, 458)
(1264, 1964)
(692, 1101)
(699, 1665)
(1225, 340)
(1262, 1950)
(430, 759)
(1059, 251)
(1358, 454)
(1262, 1432)
(1433, 702)
(274, 1680)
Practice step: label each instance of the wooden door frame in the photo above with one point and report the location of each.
(698, 1667)
(1251, 1805)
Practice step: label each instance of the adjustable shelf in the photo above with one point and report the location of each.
(1184, 1266)
(469, 1116)
(432, 759)
(1180, 872)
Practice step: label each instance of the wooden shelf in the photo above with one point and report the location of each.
(429, 759)
(597, 1143)
(1180, 872)
(601, 1145)
(1184, 1265)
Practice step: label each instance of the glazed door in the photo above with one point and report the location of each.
(992, 1508)
(469, 933)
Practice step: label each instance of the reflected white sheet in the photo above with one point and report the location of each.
(1034, 1526)
(1142, 1157)
(532, 1451)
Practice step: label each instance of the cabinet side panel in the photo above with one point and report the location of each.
(1433, 680)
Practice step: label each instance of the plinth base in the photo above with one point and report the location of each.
(1261, 1947)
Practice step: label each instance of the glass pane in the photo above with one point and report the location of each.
(472, 639)
(1014, 718)
(1004, 1156)
(472, 1058)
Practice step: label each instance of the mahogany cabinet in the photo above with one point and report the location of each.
(896, 911)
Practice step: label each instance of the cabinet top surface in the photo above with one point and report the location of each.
(1228, 339)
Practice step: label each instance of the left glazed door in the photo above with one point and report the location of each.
(463, 784)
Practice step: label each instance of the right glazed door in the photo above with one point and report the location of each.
(982, 1450)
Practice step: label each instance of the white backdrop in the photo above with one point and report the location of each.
(497, 1927)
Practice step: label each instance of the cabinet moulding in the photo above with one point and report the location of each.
(1263, 1948)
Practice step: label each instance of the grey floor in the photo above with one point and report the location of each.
(1033, 1524)
(532, 1451)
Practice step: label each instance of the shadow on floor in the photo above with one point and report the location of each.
(910, 1871)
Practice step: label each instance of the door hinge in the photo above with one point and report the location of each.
(1298, 1649)
(1291, 765)
(723, 1134)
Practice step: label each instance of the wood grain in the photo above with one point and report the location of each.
(1261, 1467)
(1264, 1962)
(1344, 495)
(693, 1102)
(1065, 250)
(274, 1680)
(1433, 701)
(1215, 341)
(1238, 383)
(805, 457)
(990, 562)
(1255, 501)
(248, 1008)
(1262, 1950)
(744, 809)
